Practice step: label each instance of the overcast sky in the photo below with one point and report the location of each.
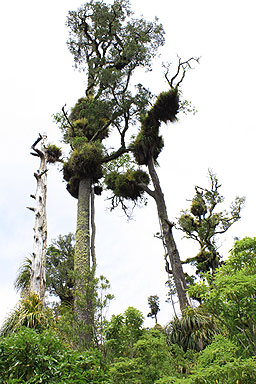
(38, 78)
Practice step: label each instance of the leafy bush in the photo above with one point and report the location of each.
(31, 357)
(231, 298)
(30, 313)
(122, 332)
(220, 352)
(151, 359)
(193, 330)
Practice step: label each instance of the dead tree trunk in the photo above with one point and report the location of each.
(37, 279)
(168, 239)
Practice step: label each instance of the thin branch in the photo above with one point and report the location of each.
(66, 117)
(31, 209)
(115, 155)
(37, 153)
(182, 66)
(96, 135)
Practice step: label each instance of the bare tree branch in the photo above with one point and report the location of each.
(66, 117)
(183, 66)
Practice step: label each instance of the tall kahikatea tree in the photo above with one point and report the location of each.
(108, 43)
(146, 148)
(203, 223)
(48, 154)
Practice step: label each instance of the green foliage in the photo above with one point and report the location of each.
(148, 142)
(111, 40)
(198, 206)
(127, 185)
(242, 257)
(231, 296)
(122, 164)
(122, 332)
(219, 362)
(109, 45)
(22, 280)
(237, 372)
(203, 224)
(166, 106)
(145, 146)
(89, 117)
(153, 302)
(60, 268)
(70, 328)
(151, 360)
(84, 162)
(221, 351)
(53, 153)
(194, 329)
(31, 313)
(31, 357)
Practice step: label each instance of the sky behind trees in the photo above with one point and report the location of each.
(37, 79)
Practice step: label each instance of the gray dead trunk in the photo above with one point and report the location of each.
(37, 279)
(174, 258)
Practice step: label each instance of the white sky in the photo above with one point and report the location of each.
(37, 79)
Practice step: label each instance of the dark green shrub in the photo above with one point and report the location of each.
(193, 330)
(30, 313)
(31, 357)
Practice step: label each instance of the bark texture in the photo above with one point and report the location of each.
(37, 280)
(174, 258)
(82, 263)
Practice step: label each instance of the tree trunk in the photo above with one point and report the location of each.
(93, 228)
(84, 291)
(37, 279)
(175, 262)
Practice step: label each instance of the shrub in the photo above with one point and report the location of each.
(31, 357)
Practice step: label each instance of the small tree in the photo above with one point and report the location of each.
(122, 332)
(203, 224)
(153, 302)
(60, 269)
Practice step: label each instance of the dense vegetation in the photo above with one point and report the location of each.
(214, 342)
(212, 339)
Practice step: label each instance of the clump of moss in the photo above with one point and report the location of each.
(144, 147)
(187, 222)
(88, 117)
(198, 207)
(206, 260)
(148, 142)
(53, 153)
(84, 162)
(166, 106)
(127, 185)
